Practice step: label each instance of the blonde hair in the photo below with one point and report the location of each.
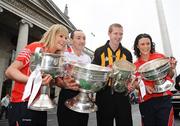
(114, 25)
(50, 35)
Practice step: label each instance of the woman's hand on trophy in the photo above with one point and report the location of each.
(173, 62)
(46, 79)
(149, 89)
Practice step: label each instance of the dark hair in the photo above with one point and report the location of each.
(72, 33)
(140, 36)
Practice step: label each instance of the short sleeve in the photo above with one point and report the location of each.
(24, 55)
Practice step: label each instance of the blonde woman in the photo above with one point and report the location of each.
(53, 41)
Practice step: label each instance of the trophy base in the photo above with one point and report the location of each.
(42, 103)
(81, 103)
(167, 85)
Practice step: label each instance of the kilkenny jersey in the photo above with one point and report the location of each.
(105, 56)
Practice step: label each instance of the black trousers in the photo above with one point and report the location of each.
(67, 117)
(113, 106)
(3, 110)
(19, 114)
(157, 112)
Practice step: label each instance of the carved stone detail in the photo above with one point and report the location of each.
(28, 11)
(27, 22)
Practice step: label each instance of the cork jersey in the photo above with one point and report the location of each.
(23, 56)
(138, 63)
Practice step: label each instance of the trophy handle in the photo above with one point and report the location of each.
(38, 56)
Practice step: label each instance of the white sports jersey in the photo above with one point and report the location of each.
(71, 56)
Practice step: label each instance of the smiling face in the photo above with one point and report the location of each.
(116, 35)
(144, 45)
(55, 38)
(60, 42)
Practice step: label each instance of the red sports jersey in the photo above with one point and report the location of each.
(24, 56)
(138, 63)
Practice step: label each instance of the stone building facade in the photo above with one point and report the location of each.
(24, 21)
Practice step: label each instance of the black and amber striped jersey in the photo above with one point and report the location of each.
(105, 56)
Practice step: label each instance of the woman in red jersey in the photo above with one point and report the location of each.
(53, 41)
(155, 108)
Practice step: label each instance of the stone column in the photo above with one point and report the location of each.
(23, 34)
(1, 72)
(1, 9)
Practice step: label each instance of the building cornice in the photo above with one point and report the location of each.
(34, 14)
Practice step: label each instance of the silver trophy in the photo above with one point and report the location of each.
(122, 75)
(91, 79)
(48, 63)
(156, 70)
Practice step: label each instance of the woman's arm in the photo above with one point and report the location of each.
(13, 72)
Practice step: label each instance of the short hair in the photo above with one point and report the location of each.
(72, 33)
(140, 36)
(114, 25)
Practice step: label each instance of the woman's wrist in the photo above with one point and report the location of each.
(171, 72)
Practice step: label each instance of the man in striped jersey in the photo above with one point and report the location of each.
(112, 105)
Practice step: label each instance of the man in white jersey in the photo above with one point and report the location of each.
(67, 117)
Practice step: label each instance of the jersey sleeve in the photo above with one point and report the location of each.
(24, 55)
(96, 59)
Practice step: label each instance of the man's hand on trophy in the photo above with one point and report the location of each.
(133, 84)
(130, 87)
(46, 79)
(67, 82)
(59, 81)
(70, 83)
(136, 84)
